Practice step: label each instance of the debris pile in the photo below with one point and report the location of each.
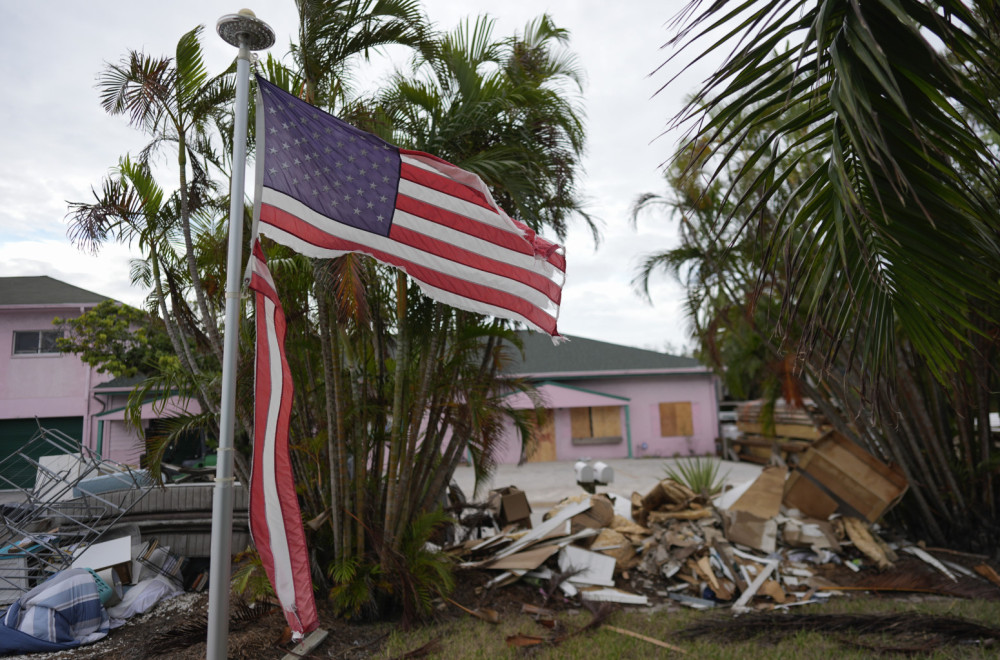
(774, 542)
(82, 535)
(780, 429)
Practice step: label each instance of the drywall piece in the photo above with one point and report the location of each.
(808, 533)
(728, 497)
(609, 595)
(927, 557)
(56, 476)
(693, 602)
(104, 554)
(741, 603)
(749, 519)
(544, 528)
(527, 560)
(594, 568)
(544, 573)
(750, 530)
(505, 578)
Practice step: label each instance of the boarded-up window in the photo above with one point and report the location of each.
(675, 419)
(598, 425)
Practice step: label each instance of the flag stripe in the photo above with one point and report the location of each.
(294, 231)
(275, 518)
(412, 171)
(318, 226)
(432, 190)
(272, 464)
(421, 223)
(422, 203)
(478, 260)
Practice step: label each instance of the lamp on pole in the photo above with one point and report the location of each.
(248, 33)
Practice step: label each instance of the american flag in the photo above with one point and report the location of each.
(326, 188)
(275, 517)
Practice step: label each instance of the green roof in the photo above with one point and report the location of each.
(122, 383)
(580, 356)
(43, 290)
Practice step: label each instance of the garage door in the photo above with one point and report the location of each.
(21, 435)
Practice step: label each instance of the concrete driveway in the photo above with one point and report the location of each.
(546, 484)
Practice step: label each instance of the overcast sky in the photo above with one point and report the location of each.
(56, 141)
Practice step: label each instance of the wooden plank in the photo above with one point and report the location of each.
(675, 419)
(668, 420)
(799, 431)
(851, 487)
(307, 645)
(622, 631)
(741, 603)
(606, 421)
(807, 497)
(545, 440)
(579, 420)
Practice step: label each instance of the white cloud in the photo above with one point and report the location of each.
(106, 273)
(58, 142)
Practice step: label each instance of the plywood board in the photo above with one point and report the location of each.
(545, 440)
(675, 419)
(763, 497)
(846, 475)
(606, 421)
(579, 421)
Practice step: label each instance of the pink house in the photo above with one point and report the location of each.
(56, 389)
(604, 400)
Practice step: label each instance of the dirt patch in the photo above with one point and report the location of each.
(176, 628)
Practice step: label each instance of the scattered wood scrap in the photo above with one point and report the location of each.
(748, 549)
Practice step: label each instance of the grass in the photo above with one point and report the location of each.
(471, 638)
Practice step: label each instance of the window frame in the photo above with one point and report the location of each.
(40, 342)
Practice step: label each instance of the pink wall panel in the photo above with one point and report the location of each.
(645, 393)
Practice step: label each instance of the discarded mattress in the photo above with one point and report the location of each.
(61, 613)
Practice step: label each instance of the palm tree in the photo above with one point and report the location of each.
(506, 109)
(173, 100)
(881, 255)
(902, 201)
(333, 34)
(410, 386)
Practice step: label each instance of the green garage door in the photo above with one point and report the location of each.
(21, 435)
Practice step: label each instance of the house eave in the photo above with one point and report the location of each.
(618, 373)
(36, 307)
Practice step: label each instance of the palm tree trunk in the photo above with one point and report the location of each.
(208, 319)
(333, 425)
(398, 423)
(916, 412)
(428, 364)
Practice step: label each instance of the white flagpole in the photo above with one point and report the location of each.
(248, 33)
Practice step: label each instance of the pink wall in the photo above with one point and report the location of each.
(123, 443)
(645, 393)
(46, 385)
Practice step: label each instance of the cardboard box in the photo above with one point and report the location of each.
(837, 476)
(750, 519)
(510, 505)
(598, 516)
